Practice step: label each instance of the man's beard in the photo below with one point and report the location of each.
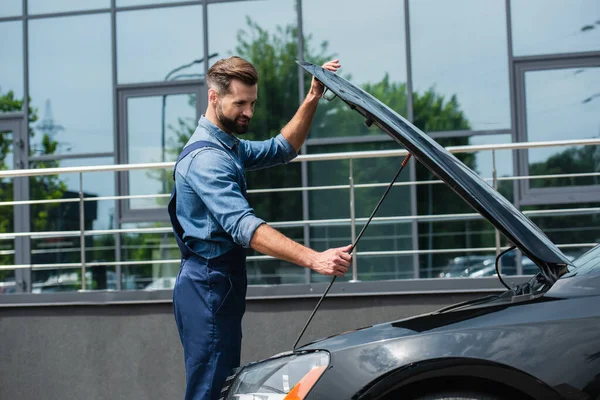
(230, 125)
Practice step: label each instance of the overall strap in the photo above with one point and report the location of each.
(192, 147)
(186, 251)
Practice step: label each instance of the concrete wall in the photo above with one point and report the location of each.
(132, 351)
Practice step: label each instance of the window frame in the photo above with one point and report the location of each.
(553, 195)
(198, 87)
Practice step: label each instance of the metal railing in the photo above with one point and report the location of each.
(351, 186)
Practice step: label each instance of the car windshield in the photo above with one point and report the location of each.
(587, 263)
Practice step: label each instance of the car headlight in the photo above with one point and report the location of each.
(285, 378)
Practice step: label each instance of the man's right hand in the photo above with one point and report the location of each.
(333, 261)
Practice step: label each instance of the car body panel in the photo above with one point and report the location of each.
(525, 337)
(466, 183)
(554, 339)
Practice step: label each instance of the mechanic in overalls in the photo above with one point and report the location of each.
(214, 224)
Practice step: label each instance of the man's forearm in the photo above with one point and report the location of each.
(297, 129)
(273, 243)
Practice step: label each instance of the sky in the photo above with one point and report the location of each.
(458, 47)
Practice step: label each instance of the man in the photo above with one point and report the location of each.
(214, 223)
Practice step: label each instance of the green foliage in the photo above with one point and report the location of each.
(570, 161)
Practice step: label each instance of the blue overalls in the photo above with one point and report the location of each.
(208, 302)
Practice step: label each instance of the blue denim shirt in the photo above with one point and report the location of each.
(212, 205)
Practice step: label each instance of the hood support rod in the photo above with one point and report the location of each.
(354, 245)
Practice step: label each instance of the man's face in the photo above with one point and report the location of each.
(235, 108)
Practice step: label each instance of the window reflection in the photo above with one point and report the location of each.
(438, 199)
(459, 52)
(381, 234)
(70, 84)
(484, 162)
(146, 248)
(555, 26)
(7, 247)
(381, 37)
(54, 250)
(65, 216)
(477, 264)
(6, 159)
(574, 94)
(385, 267)
(54, 6)
(11, 8)
(574, 228)
(11, 67)
(150, 45)
(272, 271)
(244, 22)
(152, 138)
(128, 3)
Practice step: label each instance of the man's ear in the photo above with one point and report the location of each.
(213, 96)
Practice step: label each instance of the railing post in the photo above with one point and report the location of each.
(353, 224)
(82, 230)
(495, 185)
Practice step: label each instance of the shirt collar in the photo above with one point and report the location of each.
(226, 139)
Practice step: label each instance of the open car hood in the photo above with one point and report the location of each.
(467, 184)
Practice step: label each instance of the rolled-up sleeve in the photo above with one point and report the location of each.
(214, 178)
(268, 153)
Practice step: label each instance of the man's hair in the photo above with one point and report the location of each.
(219, 76)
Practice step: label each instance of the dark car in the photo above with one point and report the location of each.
(462, 266)
(536, 340)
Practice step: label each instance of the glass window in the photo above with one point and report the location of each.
(6, 161)
(156, 137)
(55, 6)
(463, 264)
(574, 95)
(7, 248)
(378, 267)
(71, 84)
(129, 3)
(65, 216)
(331, 33)
(11, 8)
(484, 166)
(437, 230)
(150, 46)
(66, 249)
(147, 248)
(11, 67)
(573, 227)
(459, 64)
(245, 21)
(555, 26)
(264, 270)
(61, 217)
(382, 234)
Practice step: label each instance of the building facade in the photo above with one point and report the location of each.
(106, 82)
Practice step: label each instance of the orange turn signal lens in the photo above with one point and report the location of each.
(301, 389)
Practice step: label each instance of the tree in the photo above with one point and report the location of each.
(570, 161)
